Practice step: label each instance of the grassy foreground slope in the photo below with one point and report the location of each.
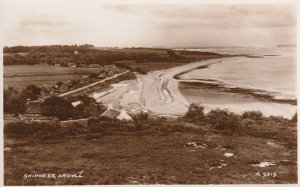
(155, 152)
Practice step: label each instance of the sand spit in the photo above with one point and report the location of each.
(157, 92)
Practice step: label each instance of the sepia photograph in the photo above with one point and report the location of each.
(100, 92)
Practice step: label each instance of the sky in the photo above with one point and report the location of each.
(48, 22)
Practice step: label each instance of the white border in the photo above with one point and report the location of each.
(145, 2)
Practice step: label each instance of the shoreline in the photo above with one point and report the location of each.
(159, 92)
(222, 86)
(156, 92)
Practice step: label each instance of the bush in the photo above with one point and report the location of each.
(223, 119)
(160, 119)
(141, 117)
(279, 120)
(294, 118)
(91, 109)
(248, 122)
(195, 113)
(254, 115)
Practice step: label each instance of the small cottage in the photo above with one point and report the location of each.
(115, 114)
(111, 113)
(124, 116)
(33, 113)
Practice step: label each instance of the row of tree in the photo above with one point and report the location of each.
(48, 49)
(86, 55)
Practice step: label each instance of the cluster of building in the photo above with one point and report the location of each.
(33, 114)
(61, 87)
(33, 108)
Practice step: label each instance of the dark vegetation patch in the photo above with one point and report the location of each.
(88, 54)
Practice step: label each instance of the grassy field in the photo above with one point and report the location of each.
(155, 153)
(22, 75)
(141, 60)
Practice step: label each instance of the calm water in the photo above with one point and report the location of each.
(277, 74)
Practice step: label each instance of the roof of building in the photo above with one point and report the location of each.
(64, 86)
(124, 116)
(47, 88)
(111, 113)
(33, 107)
(76, 103)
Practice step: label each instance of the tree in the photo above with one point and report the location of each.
(15, 102)
(89, 107)
(57, 107)
(59, 84)
(93, 76)
(31, 92)
(223, 119)
(86, 99)
(14, 105)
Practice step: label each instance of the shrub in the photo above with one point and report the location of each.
(248, 122)
(279, 120)
(223, 119)
(88, 109)
(160, 119)
(294, 118)
(195, 113)
(254, 115)
(141, 117)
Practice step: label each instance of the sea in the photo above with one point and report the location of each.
(271, 70)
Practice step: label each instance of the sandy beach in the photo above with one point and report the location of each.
(157, 92)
